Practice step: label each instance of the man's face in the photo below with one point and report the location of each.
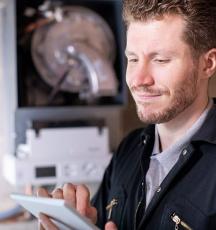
(161, 73)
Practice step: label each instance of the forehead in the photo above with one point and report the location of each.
(166, 33)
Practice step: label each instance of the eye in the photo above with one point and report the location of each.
(132, 60)
(162, 61)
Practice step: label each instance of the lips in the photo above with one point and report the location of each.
(141, 98)
(146, 96)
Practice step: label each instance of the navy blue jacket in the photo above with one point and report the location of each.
(188, 192)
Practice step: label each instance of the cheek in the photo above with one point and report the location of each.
(128, 77)
(170, 78)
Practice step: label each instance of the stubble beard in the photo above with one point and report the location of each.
(184, 96)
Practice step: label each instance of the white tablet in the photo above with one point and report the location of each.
(65, 217)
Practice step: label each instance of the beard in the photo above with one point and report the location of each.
(184, 95)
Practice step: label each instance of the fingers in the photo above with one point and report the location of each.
(57, 193)
(46, 223)
(76, 196)
(40, 227)
(110, 226)
(92, 214)
(42, 192)
(83, 199)
(69, 193)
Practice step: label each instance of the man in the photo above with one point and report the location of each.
(164, 176)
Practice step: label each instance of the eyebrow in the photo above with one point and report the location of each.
(152, 54)
(128, 53)
(164, 52)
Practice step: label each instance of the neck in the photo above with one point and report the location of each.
(173, 130)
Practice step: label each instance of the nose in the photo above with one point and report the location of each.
(139, 75)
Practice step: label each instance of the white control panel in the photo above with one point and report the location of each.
(59, 155)
(21, 172)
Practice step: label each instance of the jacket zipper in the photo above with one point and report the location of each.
(178, 221)
(110, 206)
(139, 204)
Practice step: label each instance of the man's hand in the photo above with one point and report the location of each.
(47, 224)
(110, 226)
(76, 196)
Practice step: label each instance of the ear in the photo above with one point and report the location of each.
(209, 63)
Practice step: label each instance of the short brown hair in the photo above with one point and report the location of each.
(200, 17)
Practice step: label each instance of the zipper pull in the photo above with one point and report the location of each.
(110, 206)
(178, 222)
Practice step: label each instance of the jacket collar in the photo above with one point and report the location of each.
(147, 134)
(207, 132)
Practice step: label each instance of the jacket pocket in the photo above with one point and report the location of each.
(181, 214)
(115, 206)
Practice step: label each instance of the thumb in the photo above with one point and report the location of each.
(110, 226)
